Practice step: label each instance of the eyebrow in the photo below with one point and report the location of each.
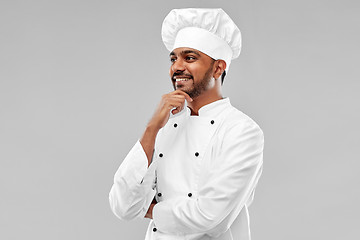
(185, 52)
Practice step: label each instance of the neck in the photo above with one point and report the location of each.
(204, 99)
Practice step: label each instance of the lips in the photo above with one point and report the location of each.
(179, 78)
(182, 79)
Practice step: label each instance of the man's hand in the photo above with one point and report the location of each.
(150, 210)
(168, 101)
(175, 99)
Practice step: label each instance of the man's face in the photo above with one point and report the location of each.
(191, 71)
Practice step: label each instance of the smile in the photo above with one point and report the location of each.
(182, 79)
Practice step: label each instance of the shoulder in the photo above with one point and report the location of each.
(238, 129)
(241, 138)
(239, 119)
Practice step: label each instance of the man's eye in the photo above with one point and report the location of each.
(190, 58)
(172, 60)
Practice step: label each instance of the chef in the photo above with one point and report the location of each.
(194, 170)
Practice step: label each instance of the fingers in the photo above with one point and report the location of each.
(187, 97)
(175, 111)
(176, 99)
(178, 104)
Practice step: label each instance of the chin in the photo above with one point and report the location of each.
(184, 89)
(181, 87)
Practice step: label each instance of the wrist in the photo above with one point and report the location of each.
(152, 127)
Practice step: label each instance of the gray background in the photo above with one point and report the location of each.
(80, 79)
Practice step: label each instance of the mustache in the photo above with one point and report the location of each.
(181, 74)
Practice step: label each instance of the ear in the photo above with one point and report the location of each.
(220, 66)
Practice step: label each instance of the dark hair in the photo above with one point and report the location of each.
(222, 77)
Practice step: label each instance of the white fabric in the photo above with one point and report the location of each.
(204, 41)
(210, 31)
(221, 179)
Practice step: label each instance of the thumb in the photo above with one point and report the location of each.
(175, 111)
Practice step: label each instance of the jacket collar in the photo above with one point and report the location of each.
(212, 109)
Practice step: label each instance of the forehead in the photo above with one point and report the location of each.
(185, 50)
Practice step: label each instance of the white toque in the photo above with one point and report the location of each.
(210, 31)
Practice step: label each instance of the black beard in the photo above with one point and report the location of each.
(199, 87)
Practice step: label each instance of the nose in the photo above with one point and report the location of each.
(178, 66)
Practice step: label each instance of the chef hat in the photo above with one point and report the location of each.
(210, 31)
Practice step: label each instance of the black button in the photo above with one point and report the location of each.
(196, 154)
(159, 194)
(189, 194)
(161, 155)
(154, 229)
(212, 122)
(175, 125)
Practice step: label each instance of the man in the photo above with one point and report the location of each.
(195, 168)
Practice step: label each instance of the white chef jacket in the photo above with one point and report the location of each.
(203, 175)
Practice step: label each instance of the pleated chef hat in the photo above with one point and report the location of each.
(210, 31)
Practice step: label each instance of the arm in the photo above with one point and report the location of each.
(230, 184)
(133, 187)
(169, 101)
(134, 181)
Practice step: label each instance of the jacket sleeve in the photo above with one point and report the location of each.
(231, 181)
(134, 185)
